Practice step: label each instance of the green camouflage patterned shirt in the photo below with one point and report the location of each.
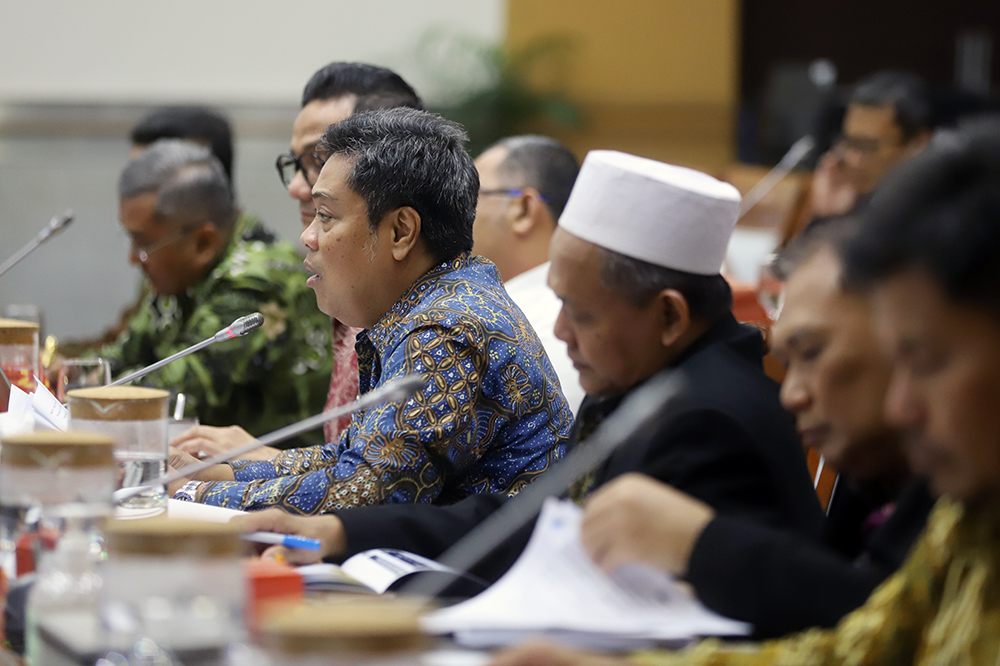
(262, 381)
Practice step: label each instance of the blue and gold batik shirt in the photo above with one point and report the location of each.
(490, 419)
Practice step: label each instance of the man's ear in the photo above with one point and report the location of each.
(676, 316)
(526, 212)
(208, 241)
(404, 228)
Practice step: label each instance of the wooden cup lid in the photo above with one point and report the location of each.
(17, 332)
(346, 623)
(166, 536)
(51, 449)
(118, 403)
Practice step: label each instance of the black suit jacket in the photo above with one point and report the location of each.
(730, 444)
(782, 583)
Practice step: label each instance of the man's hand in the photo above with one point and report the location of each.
(637, 519)
(328, 529)
(206, 441)
(540, 654)
(831, 193)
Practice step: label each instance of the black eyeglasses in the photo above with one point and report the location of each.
(512, 193)
(288, 164)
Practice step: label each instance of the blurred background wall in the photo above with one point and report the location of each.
(704, 83)
(653, 77)
(75, 76)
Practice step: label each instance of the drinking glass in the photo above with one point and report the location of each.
(82, 373)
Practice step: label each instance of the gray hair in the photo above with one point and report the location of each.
(540, 162)
(638, 282)
(190, 183)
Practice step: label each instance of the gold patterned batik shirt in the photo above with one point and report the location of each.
(941, 608)
(491, 418)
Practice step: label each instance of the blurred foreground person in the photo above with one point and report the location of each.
(641, 294)
(835, 385)
(524, 183)
(333, 93)
(888, 120)
(388, 250)
(929, 253)
(205, 268)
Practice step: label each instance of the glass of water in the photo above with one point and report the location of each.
(136, 417)
(76, 373)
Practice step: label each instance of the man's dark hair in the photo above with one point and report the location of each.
(904, 92)
(542, 163)
(194, 123)
(405, 157)
(375, 87)
(188, 181)
(708, 296)
(832, 232)
(938, 212)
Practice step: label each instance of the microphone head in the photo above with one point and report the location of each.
(246, 324)
(61, 222)
(55, 225)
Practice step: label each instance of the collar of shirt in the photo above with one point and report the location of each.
(384, 333)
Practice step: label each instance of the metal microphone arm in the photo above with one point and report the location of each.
(241, 326)
(798, 152)
(55, 225)
(394, 390)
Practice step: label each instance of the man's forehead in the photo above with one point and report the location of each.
(812, 293)
(488, 161)
(332, 181)
(575, 264)
(315, 117)
(869, 120)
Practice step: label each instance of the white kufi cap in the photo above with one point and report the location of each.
(667, 215)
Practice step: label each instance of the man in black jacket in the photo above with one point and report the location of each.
(835, 385)
(636, 264)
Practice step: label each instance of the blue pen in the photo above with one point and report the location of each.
(286, 540)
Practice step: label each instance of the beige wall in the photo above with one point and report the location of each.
(654, 77)
(212, 51)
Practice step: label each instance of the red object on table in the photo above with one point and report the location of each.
(270, 582)
(29, 544)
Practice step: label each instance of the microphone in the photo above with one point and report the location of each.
(634, 416)
(241, 326)
(55, 225)
(395, 390)
(798, 152)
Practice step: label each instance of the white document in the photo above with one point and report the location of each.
(556, 590)
(204, 513)
(380, 568)
(20, 402)
(48, 409)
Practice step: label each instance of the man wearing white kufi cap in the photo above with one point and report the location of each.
(636, 263)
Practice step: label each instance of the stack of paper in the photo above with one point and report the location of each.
(48, 413)
(556, 591)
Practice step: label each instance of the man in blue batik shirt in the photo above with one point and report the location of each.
(389, 251)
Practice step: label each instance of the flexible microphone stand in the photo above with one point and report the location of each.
(241, 326)
(55, 225)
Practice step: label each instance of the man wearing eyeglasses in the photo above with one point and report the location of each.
(524, 183)
(332, 94)
(206, 266)
(888, 120)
